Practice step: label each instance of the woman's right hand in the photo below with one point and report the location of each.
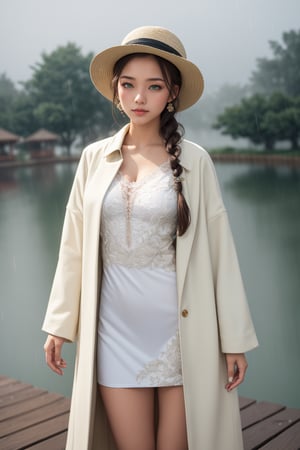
(53, 347)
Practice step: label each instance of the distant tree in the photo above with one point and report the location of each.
(263, 120)
(8, 95)
(244, 120)
(24, 120)
(282, 72)
(286, 123)
(64, 98)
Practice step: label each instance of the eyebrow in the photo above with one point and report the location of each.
(148, 79)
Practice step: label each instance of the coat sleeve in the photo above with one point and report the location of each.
(62, 314)
(237, 334)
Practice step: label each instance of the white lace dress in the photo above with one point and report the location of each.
(138, 343)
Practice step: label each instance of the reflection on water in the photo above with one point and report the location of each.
(32, 203)
(263, 205)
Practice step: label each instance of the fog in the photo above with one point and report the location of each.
(223, 38)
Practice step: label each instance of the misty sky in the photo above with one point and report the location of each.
(223, 37)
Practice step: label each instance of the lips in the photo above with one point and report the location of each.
(139, 111)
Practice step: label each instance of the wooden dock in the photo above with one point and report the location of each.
(32, 418)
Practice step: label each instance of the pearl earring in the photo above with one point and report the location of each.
(170, 107)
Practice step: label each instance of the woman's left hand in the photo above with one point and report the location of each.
(236, 369)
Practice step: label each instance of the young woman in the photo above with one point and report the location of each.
(147, 280)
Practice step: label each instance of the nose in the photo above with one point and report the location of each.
(140, 98)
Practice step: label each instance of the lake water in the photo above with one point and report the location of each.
(264, 209)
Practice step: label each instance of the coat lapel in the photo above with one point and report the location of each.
(106, 174)
(109, 165)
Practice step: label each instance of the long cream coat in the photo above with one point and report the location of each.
(216, 319)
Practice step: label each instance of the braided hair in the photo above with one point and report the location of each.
(170, 130)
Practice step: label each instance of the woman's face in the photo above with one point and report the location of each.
(142, 91)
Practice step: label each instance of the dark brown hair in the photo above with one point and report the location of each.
(170, 130)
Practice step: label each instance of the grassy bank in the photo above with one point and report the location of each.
(279, 157)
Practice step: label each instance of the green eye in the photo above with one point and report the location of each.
(126, 85)
(155, 87)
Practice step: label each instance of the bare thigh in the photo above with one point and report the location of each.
(171, 433)
(130, 413)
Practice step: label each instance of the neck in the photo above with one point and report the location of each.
(140, 135)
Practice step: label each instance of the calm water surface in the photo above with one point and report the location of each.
(264, 210)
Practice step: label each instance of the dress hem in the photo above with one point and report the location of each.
(134, 386)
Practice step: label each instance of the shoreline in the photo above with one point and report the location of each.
(272, 159)
(281, 159)
(38, 162)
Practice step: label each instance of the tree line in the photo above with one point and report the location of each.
(60, 97)
(271, 112)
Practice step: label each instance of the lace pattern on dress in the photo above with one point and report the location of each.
(138, 222)
(128, 193)
(166, 369)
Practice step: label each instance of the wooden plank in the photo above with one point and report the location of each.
(289, 439)
(244, 402)
(2, 377)
(47, 412)
(33, 419)
(57, 442)
(35, 434)
(28, 405)
(262, 432)
(20, 396)
(257, 412)
(6, 383)
(6, 380)
(13, 387)
(5, 377)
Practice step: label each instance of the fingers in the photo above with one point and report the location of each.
(53, 347)
(231, 370)
(236, 370)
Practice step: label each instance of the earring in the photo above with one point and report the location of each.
(119, 106)
(170, 107)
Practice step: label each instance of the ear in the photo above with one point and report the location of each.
(174, 93)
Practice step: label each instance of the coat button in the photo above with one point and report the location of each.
(184, 313)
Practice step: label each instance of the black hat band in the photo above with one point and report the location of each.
(155, 44)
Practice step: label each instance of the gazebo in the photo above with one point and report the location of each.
(41, 144)
(8, 141)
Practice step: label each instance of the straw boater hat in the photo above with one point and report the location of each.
(155, 41)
